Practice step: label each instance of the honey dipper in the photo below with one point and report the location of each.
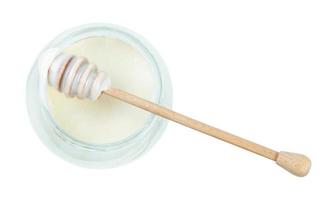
(76, 77)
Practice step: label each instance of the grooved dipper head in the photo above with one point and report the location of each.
(76, 77)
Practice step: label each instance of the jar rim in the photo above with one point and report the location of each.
(163, 93)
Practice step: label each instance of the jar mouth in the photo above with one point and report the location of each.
(101, 30)
(104, 155)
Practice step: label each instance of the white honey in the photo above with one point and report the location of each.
(106, 120)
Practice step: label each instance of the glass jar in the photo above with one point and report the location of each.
(96, 155)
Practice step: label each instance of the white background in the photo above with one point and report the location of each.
(260, 69)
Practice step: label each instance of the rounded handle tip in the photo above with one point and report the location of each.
(294, 163)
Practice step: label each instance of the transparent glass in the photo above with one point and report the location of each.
(85, 154)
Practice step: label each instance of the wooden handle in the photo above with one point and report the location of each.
(297, 164)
